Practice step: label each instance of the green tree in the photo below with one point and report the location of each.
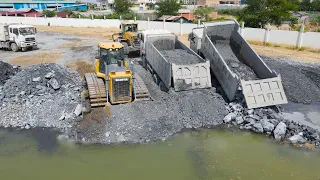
(151, 6)
(259, 13)
(203, 13)
(168, 7)
(122, 6)
(49, 13)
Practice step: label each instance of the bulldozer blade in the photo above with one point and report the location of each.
(107, 109)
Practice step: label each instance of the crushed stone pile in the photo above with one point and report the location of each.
(44, 95)
(301, 81)
(6, 71)
(234, 61)
(146, 121)
(180, 57)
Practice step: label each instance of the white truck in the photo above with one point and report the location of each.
(171, 63)
(17, 37)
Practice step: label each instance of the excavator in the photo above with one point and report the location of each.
(128, 37)
(114, 81)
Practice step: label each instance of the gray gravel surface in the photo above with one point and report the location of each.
(301, 81)
(180, 57)
(30, 99)
(168, 114)
(234, 62)
(6, 71)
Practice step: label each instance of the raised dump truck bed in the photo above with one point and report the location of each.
(175, 65)
(234, 62)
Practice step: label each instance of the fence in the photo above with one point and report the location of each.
(293, 38)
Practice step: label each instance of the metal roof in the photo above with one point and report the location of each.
(170, 18)
(37, 1)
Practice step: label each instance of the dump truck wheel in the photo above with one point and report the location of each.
(14, 47)
(125, 48)
(156, 79)
(163, 87)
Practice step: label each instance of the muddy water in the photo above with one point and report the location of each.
(206, 154)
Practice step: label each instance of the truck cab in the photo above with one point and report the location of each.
(17, 37)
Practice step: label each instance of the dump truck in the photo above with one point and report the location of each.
(171, 63)
(114, 81)
(236, 65)
(17, 37)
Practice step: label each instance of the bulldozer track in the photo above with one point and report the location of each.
(97, 90)
(141, 90)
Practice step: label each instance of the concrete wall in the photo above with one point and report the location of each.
(306, 39)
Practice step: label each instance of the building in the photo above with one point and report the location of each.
(216, 2)
(38, 5)
(26, 12)
(173, 19)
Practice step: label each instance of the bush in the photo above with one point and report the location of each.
(49, 13)
(233, 12)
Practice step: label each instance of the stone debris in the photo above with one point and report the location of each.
(7, 71)
(34, 97)
(297, 139)
(180, 57)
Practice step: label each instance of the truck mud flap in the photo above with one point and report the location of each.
(265, 92)
(193, 76)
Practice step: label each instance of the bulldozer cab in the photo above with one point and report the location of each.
(129, 27)
(110, 53)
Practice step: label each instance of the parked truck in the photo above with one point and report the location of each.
(17, 37)
(171, 63)
(236, 65)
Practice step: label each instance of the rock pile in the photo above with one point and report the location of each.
(43, 95)
(6, 71)
(271, 122)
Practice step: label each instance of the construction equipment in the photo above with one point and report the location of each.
(17, 37)
(169, 62)
(128, 37)
(223, 45)
(114, 80)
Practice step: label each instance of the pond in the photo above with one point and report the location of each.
(203, 154)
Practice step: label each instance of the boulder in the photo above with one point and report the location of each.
(280, 131)
(54, 84)
(249, 120)
(239, 120)
(267, 126)
(229, 117)
(78, 110)
(257, 127)
(37, 79)
(49, 75)
(297, 139)
(237, 107)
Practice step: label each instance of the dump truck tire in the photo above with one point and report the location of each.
(163, 87)
(14, 47)
(125, 48)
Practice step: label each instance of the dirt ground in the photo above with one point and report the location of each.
(42, 57)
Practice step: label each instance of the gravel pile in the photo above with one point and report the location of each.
(234, 62)
(44, 95)
(168, 114)
(301, 81)
(271, 122)
(180, 57)
(6, 71)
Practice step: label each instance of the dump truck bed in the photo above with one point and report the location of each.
(177, 65)
(234, 62)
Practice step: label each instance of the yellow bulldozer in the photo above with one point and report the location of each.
(114, 80)
(129, 37)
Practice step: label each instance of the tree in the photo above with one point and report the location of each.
(168, 7)
(259, 13)
(122, 6)
(203, 13)
(151, 6)
(49, 13)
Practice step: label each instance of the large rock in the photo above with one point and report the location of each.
(239, 120)
(54, 83)
(249, 120)
(257, 127)
(228, 118)
(267, 126)
(280, 131)
(78, 110)
(297, 139)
